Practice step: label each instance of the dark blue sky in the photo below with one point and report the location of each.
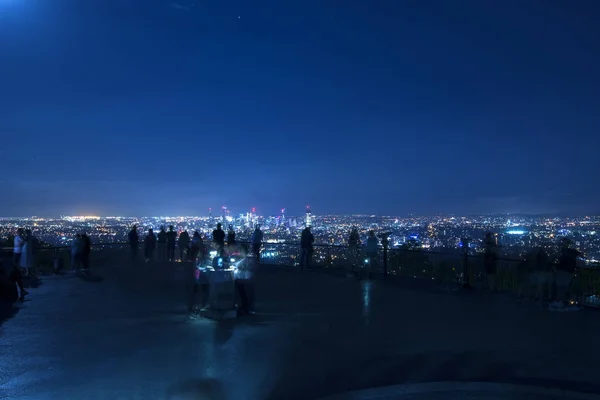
(389, 107)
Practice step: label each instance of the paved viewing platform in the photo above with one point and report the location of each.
(127, 334)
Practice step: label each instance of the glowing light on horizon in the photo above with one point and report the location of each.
(81, 217)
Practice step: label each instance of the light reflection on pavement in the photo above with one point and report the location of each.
(130, 337)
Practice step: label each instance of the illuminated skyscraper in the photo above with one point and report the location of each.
(308, 221)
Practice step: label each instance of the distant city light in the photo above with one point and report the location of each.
(282, 234)
(81, 218)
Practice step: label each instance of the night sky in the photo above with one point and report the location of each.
(152, 107)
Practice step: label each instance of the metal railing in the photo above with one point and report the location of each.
(448, 268)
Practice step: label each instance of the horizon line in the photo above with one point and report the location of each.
(409, 215)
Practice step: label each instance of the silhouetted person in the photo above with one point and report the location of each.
(16, 278)
(171, 240)
(162, 244)
(149, 245)
(230, 236)
(371, 248)
(86, 251)
(184, 246)
(244, 284)
(218, 237)
(354, 246)
(490, 258)
(306, 248)
(18, 242)
(542, 274)
(354, 238)
(134, 242)
(256, 242)
(567, 263)
(201, 289)
(195, 246)
(76, 251)
(28, 252)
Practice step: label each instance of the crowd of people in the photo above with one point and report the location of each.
(540, 276)
(170, 246)
(81, 248)
(25, 246)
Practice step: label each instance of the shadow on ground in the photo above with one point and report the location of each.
(91, 278)
(7, 311)
(209, 389)
(9, 301)
(32, 282)
(357, 375)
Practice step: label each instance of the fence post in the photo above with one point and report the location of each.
(385, 242)
(466, 272)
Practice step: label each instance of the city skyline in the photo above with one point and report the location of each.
(302, 214)
(144, 107)
(517, 236)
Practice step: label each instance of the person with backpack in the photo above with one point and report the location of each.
(256, 242)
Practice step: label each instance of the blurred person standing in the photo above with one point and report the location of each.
(490, 258)
(134, 243)
(162, 244)
(28, 257)
(76, 251)
(18, 243)
(563, 276)
(230, 237)
(244, 284)
(86, 251)
(149, 245)
(171, 241)
(184, 246)
(218, 237)
(256, 242)
(306, 248)
(354, 247)
(371, 248)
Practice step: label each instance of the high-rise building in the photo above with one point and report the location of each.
(308, 221)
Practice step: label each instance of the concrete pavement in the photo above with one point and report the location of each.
(129, 336)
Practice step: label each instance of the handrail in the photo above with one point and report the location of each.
(340, 246)
(510, 276)
(318, 245)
